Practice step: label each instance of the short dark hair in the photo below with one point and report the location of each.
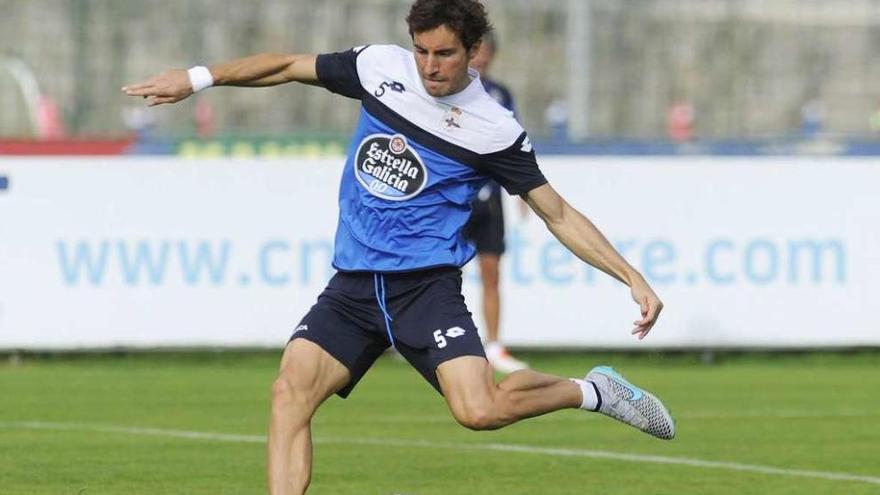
(466, 18)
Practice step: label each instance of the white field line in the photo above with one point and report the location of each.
(390, 442)
(783, 414)
(780, 414)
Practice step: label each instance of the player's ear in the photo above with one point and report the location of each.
(475, 48)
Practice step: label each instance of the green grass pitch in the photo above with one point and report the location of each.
(753, 424)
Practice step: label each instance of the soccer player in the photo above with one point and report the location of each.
(485, 229)
(429, 138)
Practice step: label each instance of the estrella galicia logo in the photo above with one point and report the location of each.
(388, 168)
(394, 85)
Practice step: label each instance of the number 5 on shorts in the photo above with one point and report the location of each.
(441, 340)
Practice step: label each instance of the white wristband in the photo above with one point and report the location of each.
(200, 78)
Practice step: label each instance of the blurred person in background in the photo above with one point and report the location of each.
(680, 121)
(485, 229)
(812, 114)
(49, 120)
(429, 138)
(556, 119)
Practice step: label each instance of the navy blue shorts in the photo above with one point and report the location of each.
(485, 228)
(426, 317)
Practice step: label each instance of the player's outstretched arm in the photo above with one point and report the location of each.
(265, 69)
(582, 238)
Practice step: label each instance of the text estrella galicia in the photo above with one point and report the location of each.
(389, 168)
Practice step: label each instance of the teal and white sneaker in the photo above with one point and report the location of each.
(629, 404)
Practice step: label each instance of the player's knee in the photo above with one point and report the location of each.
(478, 417)
(288, 390)
(492, 279)
(282, 390)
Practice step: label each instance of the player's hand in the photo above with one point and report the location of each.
(649, 304)
(170, 86)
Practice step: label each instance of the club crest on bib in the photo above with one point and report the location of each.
(388, 168)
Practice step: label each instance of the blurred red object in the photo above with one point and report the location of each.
(680, 121)
(49, 123)
(204, 115)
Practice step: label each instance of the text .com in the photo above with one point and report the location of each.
(279, 262)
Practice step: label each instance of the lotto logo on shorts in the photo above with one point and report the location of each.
(452, 333)
(455, 332)
(388, 168)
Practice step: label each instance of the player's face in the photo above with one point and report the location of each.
(442, 61)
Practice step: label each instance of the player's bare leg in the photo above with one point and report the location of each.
(497, 354)
(308, 376)
(478, 403)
